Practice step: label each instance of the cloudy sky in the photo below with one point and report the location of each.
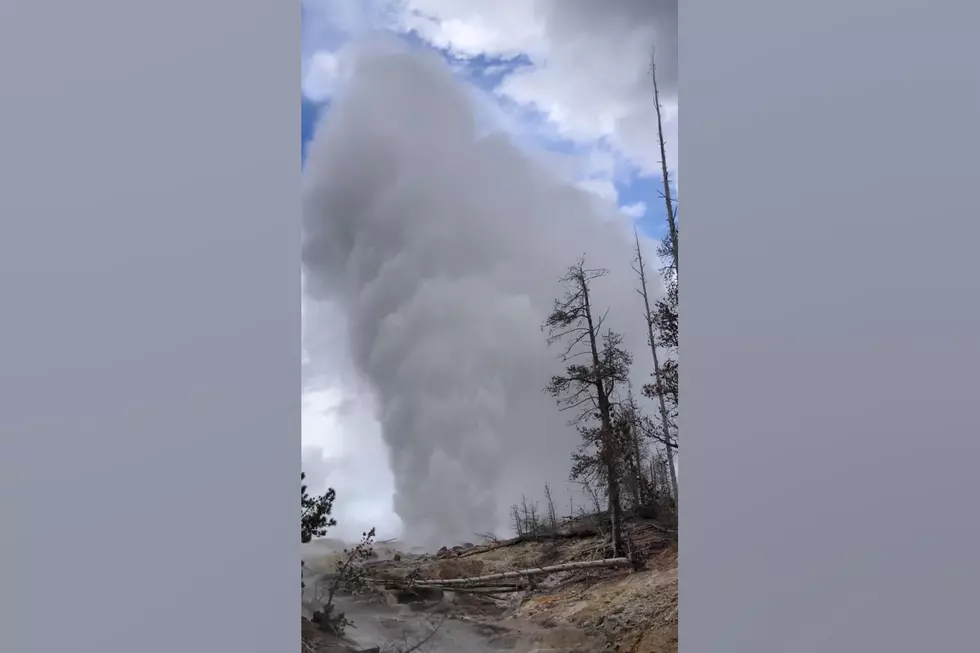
(563, 86)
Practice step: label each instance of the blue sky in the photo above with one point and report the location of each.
(310, 114)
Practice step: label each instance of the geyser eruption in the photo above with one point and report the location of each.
(443, 249)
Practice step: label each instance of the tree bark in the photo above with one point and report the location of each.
(671, 217)
(642, 492)
(607, 436)
(534, 571)
(664, 418)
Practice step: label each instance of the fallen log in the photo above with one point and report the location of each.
(479, 590)
(534, 571)
(574, 528)
(580, 532)
(493, 547)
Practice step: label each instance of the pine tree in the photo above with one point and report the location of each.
(316, 512)
(588, 387)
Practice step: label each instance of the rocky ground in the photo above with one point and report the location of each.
(621, 609)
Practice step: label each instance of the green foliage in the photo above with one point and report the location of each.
(596, 361)
(350, 573)
(664, 320)
(316, 513)
(349, 578)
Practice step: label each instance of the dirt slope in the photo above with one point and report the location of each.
(622, 610)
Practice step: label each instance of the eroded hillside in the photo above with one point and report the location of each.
(568, 597)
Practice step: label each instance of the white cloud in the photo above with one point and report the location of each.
(591, 62)
(635, 210)
(320, 76)
(604, 189)
(473, 27)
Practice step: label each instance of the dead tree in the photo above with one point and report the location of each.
(671, 214)
(628, 420)
(525, 573)
(518, 523)
(552, 518)
(592, 494)
(587, 387)
(529, 510)
(660, 392)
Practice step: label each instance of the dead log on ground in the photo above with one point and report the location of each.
(480, 589)
(581, 531)
(534, 571)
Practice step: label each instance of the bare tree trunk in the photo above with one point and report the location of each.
(526, 514)
(553, 518)
(636, 486)
(615, 507)
(664, 417)
(633, 472)
(671, 217)
(607, 436)
(642, 493)
(653, 473)
(534, 571)
(592, 494)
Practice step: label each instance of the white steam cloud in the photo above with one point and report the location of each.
(443, 249)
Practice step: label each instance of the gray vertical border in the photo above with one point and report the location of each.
(149, 331)
(830, 326)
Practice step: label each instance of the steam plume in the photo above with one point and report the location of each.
(443, 249)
